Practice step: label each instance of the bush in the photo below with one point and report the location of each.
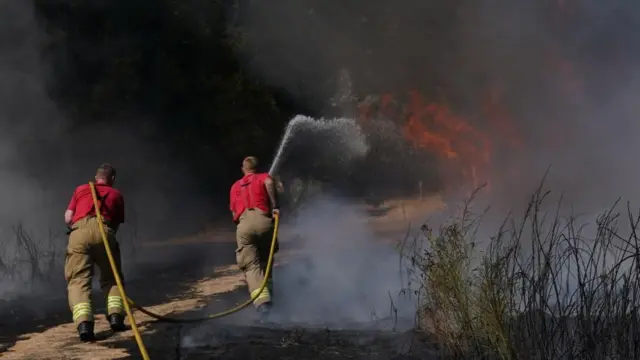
(539, 288)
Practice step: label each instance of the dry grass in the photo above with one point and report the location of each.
(28, 259)
(30, 262)
(543, 287)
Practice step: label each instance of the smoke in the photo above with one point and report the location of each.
(23, 102)
(340, 271)
(27, 118)
(45, 153)
(570, 79)
(567, 70)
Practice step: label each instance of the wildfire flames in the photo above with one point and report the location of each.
(473, 145)
(464, 145)
(467, 145)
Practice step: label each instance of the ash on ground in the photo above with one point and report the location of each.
(226, 341)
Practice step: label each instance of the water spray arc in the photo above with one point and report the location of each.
(346, 138)
(286, 138)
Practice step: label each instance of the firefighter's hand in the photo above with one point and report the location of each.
(275, 213)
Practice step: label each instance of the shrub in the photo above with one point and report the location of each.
(543, 287)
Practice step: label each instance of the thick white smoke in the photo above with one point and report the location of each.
(340, 272)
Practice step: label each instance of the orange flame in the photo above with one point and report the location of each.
(470, 147)
(464, 151)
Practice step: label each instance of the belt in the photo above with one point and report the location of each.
(105, 222)
(253, 209)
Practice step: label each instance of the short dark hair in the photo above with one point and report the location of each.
(106, 171)
(250, 163)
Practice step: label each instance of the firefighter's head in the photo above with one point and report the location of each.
(249, 165)
(106, 174)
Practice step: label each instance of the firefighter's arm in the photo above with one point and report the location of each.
(120, 209)
(272, 192)
(233, 213)
(68, 216)
(71, 209)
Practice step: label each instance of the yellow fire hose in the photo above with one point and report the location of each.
(134, 327)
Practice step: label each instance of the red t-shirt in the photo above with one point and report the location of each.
(112, 207)
(249, 193)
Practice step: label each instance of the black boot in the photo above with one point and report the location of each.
(264, 307)
(85, 330)
(264, 310)
(116, 321)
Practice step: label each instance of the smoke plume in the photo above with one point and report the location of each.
(45, 153)
(339, 273)
(566, 69)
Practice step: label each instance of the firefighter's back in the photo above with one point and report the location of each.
(86, 249)
(250, 205)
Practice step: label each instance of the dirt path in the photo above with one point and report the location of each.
(222, 289)
(60, 342)
(182, 291)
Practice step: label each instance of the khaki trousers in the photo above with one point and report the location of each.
(253, 235)
(86, 249)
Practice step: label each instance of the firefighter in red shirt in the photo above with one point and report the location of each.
(86, 249)
(253, 203)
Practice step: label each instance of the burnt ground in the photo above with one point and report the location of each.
(192, 286)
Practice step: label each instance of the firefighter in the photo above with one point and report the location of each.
(253, 204)
(86, 248)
